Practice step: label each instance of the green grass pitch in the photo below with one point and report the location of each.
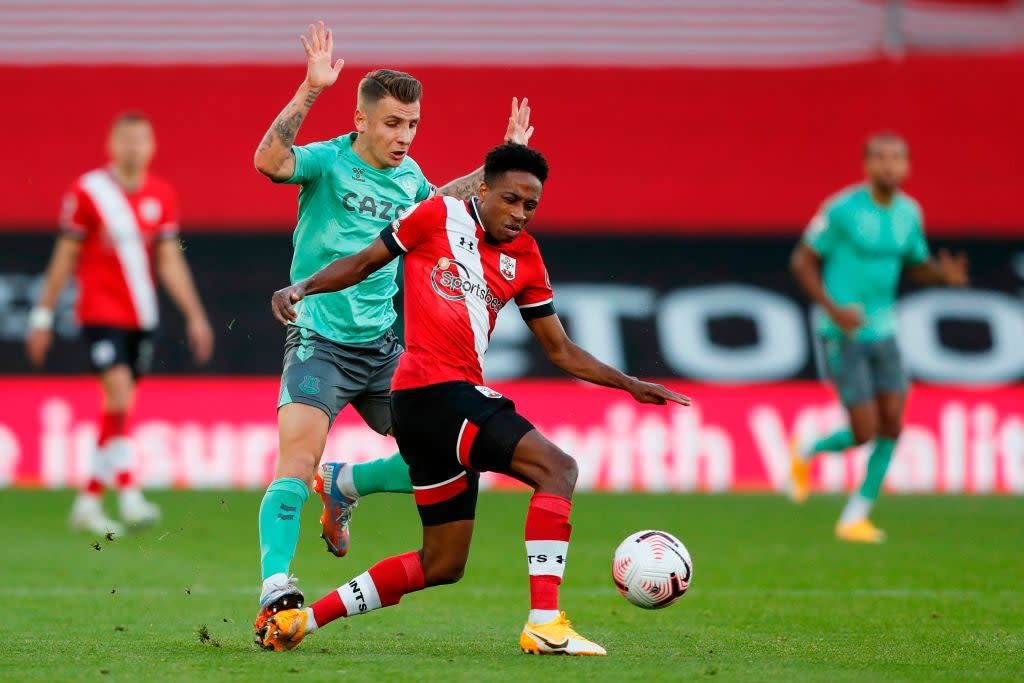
(774, 597)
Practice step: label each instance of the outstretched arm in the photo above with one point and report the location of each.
(519, 131)
(336, 275)
(569, 357)
(274, 157)
(946, 270)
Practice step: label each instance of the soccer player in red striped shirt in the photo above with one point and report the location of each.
(464, 261)
(119, 224)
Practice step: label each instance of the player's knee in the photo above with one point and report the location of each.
(442, 571)
(560, 472)
(570, 471)
(864, 433)
(891, 428)
(297, 464)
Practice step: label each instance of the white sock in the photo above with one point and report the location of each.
(857, 508)
(273, 582)
(542, 616)
(310, 621)
(89, 502)
(804, 444)
(346, 485)
(130, 497)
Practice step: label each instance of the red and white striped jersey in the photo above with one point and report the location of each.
(455, 281)
(119, 231)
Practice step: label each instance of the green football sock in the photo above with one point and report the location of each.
(878, 464)
(280, 513)
(836, 442)
(383, 475)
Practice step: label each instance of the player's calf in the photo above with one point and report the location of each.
(439, 570)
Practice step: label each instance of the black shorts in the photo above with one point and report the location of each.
(110, 346)
(447, 434)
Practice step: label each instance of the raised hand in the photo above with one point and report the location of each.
(647, 392)
(953, 268)
(319, 48)
(282, 303)
(519, 129)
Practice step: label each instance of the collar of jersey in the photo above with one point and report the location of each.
(475, 213)
(352, 157)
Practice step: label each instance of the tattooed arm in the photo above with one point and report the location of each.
(519, 131)
(274, 157)
(464, 187)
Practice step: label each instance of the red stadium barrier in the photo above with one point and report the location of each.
(637, 150)
(221, 433)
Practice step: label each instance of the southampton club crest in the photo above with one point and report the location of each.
(507, 266)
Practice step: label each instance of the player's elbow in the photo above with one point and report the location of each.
(269, 164)
(560, 354)
(801, 261)
(262, 161)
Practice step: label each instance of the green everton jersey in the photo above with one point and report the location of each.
(344, 203)
(864, 247)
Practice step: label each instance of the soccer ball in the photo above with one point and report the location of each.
(652, 569)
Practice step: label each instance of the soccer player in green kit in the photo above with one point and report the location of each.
(849, 263)
(341, 349)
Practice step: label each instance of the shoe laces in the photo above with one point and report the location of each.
(562, 620)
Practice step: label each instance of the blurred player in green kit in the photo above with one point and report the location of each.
(340, 350)
(849, 263)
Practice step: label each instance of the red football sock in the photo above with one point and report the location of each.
(382, 585)
(124, 479)
(547, 547)
(112, 424)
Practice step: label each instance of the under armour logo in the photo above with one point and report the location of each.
(467, 244)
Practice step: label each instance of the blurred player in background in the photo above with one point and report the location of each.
(341, 348)
(119, 225)
(464, 261)
(849, 263)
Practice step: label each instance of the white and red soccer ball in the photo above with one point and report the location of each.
(652, 569)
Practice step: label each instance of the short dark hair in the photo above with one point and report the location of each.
(884, 136)
(382, 83)
(513, 157)
(129, 116)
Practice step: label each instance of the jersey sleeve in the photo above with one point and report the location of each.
(310, 162)
(168, 227)
(426, 189)
(415, 227)
(917, 251)
(536, 298)
(824, 230)
(77, 214)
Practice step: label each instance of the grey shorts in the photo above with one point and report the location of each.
(860, 370)
(328, 375)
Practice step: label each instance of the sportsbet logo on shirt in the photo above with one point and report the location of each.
(451, 280)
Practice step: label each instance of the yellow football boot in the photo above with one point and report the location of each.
(799, 474)
(284, 630)
(556, 638)
(861, 531)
